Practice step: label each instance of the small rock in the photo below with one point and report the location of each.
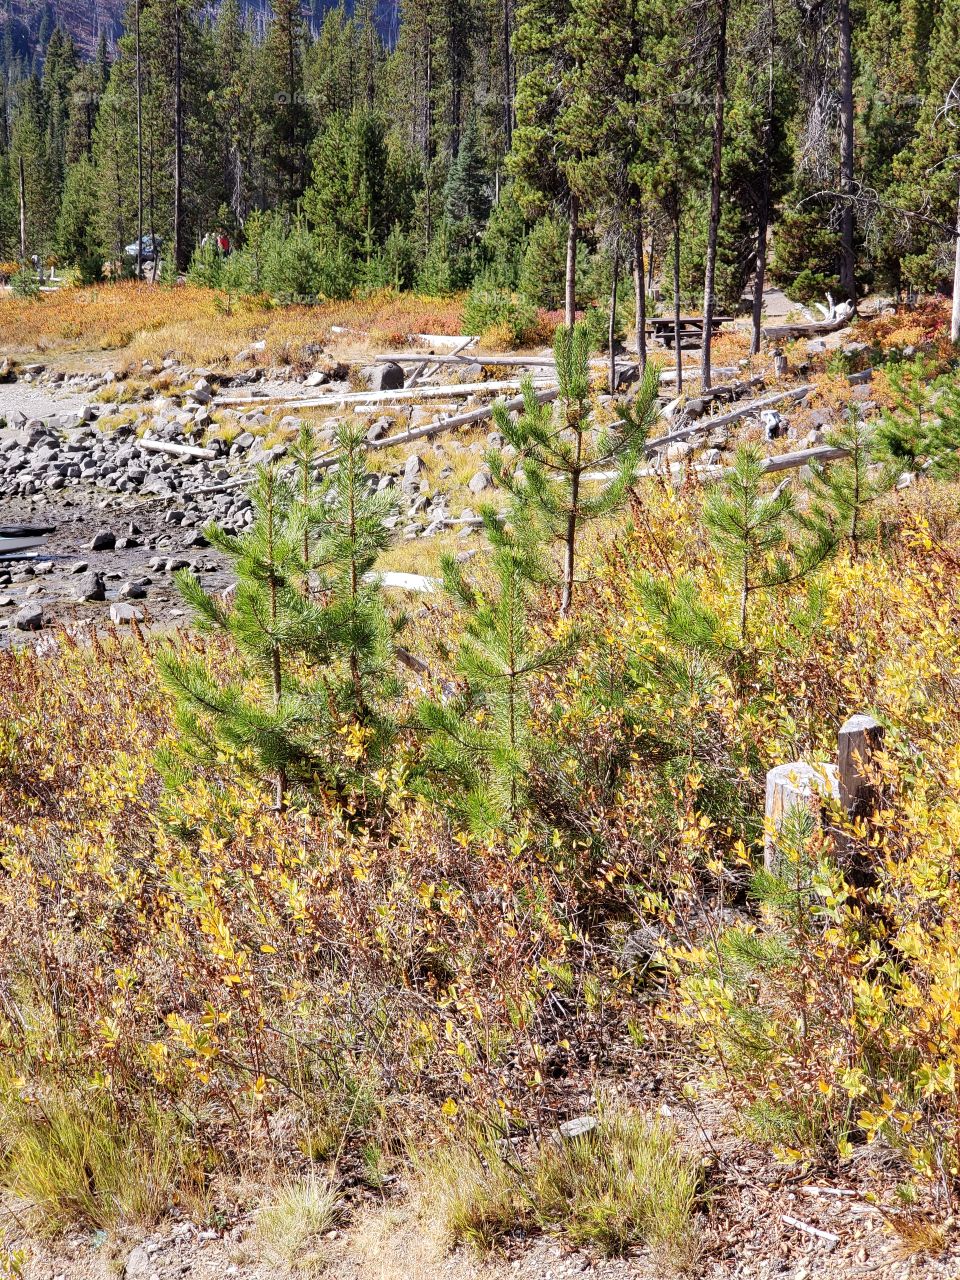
(133, 591)
(104, 540)
(124, 615)
(30, 618)
(577, 1128)
(139, 1265)
(479, 481)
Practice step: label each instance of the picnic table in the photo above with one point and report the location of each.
(661, 328)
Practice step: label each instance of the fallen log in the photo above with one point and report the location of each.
(810, 329)
(458, 420)
(446, 392)
(724, 419)
(780, 462)
(176, 450)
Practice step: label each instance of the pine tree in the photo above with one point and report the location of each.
(345, 530)
(263, 718)
(760, 537)
(843, 493)
(77, 238)
(558, 446)
(481, 746)
(922, 428)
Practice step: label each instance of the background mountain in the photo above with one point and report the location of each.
(27, 24)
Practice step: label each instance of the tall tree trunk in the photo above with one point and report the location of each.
(766, 185)
(848, 278)
(955, 313)
(23, 210)
(676, 294)
(640, 295)
(570, 303)
(653, 254)
(427, 145)
(716, 175)
(612, 320)
(139, 145)
(179, 257)
(507, 79)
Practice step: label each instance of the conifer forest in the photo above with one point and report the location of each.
(479, 639)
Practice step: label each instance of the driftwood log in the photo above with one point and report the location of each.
(176, 450)
(810, 329)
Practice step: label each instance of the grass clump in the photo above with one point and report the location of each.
(73, 1159)
(475, 1193)
(292, 1220)
(623, 1185)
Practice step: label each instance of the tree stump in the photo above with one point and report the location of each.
(858, 739)
(789, 785)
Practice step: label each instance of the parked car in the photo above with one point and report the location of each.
(150, 250)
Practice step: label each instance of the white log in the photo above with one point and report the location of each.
(724, 419)
(446, 392)
(405, 581)
(176, 450)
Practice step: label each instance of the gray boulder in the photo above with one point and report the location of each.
(91, 588)
(29, 618)
(382, 377)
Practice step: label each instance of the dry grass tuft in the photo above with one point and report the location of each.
(622, 1185)
(290, 1224)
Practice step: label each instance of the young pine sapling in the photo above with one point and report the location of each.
(760, 536)
(557, 447)
(481, 746)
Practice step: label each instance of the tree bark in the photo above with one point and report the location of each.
(639, 286)
(716, 175)
(612, 322)
(570, 304)
(766, 187)
(507, 80)
(676, 296)
(139, 145)
(955, 313)
(179, 256)
(23, 210)
(848, 278)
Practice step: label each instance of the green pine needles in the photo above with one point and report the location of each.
(552, 471)
(762, 538)
(922, 429)
(309, 702)
(843, 494)
(481, 745)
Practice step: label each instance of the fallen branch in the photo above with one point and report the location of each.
(724, 419)
(176, 450)
(829, 1236)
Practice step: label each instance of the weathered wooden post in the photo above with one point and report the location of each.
(813, 785)
(858, 739)
(790, 785)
